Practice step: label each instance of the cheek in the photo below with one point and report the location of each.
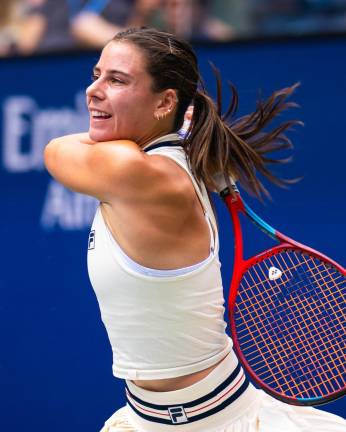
(131, 112)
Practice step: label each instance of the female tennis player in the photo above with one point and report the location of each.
(153, 247)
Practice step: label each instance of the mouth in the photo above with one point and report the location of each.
(99, 115)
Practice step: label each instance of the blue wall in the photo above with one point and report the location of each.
(55, 361)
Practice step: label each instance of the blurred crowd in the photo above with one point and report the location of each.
(36, 26)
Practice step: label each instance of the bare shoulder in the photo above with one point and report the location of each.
(156, 178)
(138, 172)
(169, 177)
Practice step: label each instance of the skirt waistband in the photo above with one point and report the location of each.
(219, 391)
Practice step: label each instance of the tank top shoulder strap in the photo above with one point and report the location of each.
(174, 150)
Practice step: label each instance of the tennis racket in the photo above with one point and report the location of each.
(287, 309)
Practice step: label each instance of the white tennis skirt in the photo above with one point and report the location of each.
(224, 401)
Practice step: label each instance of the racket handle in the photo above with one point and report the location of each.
(222, 186)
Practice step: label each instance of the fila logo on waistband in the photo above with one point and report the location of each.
(177, 414)
(91, 241)
(191, 411)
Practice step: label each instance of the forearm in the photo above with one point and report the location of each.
(92, 168)
(80, 138)
(92, 30)
(30, 33)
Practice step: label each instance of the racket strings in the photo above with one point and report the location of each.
(307, 316)
(340, 277)
(313, 361)
(311, 347)
(283, 356)
(291, 329)
(288, 315)
(286, 361)
(307, 306)
(283, 282)
(272, 346)
(330, 332)
(330, 299)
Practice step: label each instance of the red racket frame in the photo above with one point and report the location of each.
(236, 205)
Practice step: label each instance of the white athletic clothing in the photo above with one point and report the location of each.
(161, 324)
(252, 411)
(170, 323)
(138, 268)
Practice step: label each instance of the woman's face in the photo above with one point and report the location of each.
(120, 99)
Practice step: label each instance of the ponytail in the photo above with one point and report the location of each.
(214, 143)
(237, 148)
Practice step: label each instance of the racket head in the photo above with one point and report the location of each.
(287, 318)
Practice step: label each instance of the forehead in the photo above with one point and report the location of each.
(122, 56)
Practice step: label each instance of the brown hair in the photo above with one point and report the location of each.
(238, 148)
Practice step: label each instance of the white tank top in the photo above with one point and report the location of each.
(160, 323)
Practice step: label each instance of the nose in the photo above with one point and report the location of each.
(95, 90)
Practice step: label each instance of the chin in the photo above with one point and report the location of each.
(100, 135)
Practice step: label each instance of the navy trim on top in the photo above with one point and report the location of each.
(163, 144)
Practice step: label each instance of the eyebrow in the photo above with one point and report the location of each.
(112, 71)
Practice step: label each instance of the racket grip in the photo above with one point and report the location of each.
(221, 183)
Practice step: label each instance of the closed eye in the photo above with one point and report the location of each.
(116, 81)
(112, 80)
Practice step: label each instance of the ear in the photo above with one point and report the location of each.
(166, 104)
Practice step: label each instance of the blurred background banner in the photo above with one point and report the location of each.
(55, 360)
(36, 26)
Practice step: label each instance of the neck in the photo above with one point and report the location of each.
(162, 127)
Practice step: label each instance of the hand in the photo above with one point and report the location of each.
(187, 120)
(189, 113)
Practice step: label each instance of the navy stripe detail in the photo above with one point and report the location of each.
(197, 417)
(195, 402)
(224, 404)
(163, 144)
(150, 418)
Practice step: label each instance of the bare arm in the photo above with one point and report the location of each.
(93, 30)
(105, 170)
(31, 31)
